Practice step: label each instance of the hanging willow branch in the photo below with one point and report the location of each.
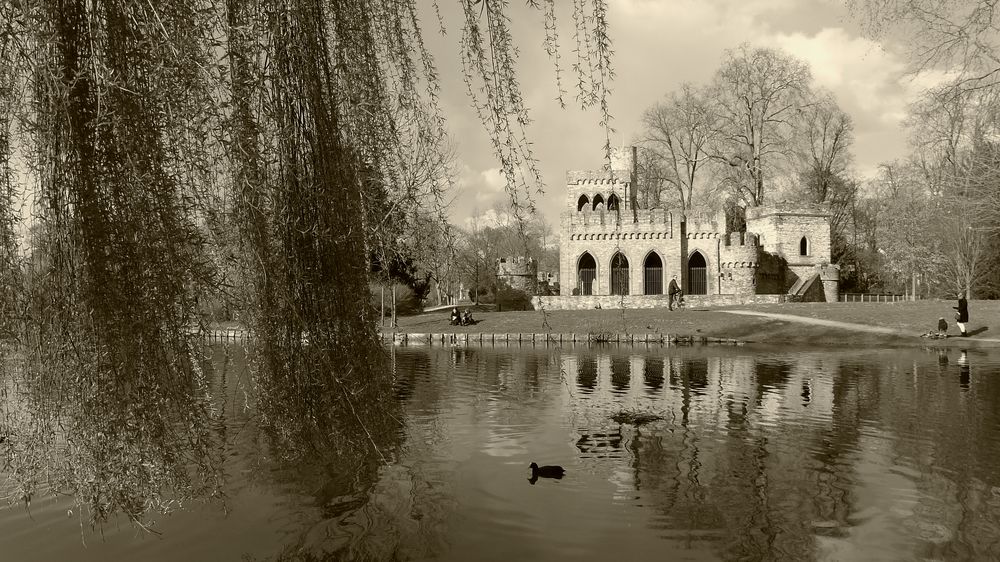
(177, 148)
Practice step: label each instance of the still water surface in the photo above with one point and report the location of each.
(761, 454)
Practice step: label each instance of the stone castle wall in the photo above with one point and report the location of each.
(615, 302)
(764, 260)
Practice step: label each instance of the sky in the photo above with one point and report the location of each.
(660, 44)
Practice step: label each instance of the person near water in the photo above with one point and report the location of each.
(962, 314)
(455, 318)
(674, 292)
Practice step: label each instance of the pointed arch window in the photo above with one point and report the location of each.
(586, 274)
(697, 274)
(619, 274)
(613, 202)
(804, 246)
(582, 203)
(598, 200)
(652, 275)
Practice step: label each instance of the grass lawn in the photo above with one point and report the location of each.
(909, 318)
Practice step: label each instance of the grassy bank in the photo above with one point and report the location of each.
(907, 319)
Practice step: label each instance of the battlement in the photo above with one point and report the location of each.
(518, 265)
(642, 219)
(737, 239)
(786, 208)
(597, 177)
(519, 272)
(703, 223)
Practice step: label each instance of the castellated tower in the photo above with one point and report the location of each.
(738, 261)
(799, 234)
(519, 273)
(603, 190)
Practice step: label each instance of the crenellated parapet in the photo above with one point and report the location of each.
(703, 223)
(737, 239)
(703, 235)
(785, 208)
(519, 272)
(596, 177)
(613, 236)
(644, 224)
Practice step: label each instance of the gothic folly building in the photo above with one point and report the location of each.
(614, 254)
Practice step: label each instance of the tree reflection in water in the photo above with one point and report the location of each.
(888, 456)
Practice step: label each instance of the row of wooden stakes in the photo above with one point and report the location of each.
(402, 338)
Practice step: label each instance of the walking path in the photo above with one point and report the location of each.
(838, 324)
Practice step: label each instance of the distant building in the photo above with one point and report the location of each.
(612, 252)
(519, 273)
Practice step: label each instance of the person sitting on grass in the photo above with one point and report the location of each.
(467, 318)
(455, 318)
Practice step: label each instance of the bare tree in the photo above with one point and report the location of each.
(678, 133)
(960, 35)
(826, 136)
(761, 93)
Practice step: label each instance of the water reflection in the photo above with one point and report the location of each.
(652, 374)
(802, 456)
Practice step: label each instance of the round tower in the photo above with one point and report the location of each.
(738, 260)
(829, 274)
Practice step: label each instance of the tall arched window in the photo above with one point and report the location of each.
(652, 275)
(804, 246)
(697, 274)
(613, 202)
(586, 273)
(582, 203)
(598, 200)
(619, 275)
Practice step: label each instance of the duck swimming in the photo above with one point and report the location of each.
(548, 471)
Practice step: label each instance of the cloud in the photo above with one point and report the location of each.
(658, 46)
(494, 217)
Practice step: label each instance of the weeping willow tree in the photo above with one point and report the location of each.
(173, 148)
(109, 386)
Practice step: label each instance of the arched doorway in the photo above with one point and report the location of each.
(652, 275)
(586, 273)
(619, 275)
(582, 202)
(697, 274)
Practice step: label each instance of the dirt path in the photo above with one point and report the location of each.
(837, 324)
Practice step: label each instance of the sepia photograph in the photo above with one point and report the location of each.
(499, 280)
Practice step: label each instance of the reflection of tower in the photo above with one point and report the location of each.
(652, 374)
(620, 374)
(586, 375)
(606, 444)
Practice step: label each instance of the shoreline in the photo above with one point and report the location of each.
(807, 324)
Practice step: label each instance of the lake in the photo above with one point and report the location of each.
(760, 453)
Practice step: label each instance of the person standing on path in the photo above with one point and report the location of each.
(962, 316)
(674, 292)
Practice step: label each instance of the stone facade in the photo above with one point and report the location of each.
(610, 247)
(519, 273)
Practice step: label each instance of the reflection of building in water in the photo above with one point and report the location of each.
(600, 444)
(709, 468)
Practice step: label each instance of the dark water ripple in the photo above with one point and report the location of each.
(758, 455)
